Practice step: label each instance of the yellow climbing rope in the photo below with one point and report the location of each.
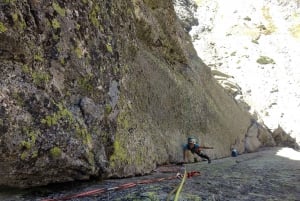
(181, 185)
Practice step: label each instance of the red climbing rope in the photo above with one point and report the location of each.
(123, 186)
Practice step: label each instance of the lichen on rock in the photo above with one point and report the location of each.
(104, 89)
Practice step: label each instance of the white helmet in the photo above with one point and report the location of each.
(192, 140)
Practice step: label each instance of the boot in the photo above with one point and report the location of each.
(202, 155)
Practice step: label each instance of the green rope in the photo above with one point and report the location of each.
(181, 185)
(172, 192)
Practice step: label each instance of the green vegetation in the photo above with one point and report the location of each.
(123, 120)
(18, 21)
(109, 48)
(85, 83)
(83, 134)
(9, 1)
(265, 60)
(40, 78)
(93, 17)
(34, 154)
(62, 61)
(38, 58)
(55, 24)
(53, 119)
(78, 26)
(271, 28)
(2, 28)
(26, 69)
(28, 145)
(79, 52)
(24, 155)
(108, 109)
(153, 3)
(233, 54)
(66, 117)
(247, 18)
(58, 9)
(119, 153)
(55, 152)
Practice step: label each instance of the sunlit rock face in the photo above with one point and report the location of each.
(252, 48)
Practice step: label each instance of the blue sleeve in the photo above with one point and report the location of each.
(186, 147)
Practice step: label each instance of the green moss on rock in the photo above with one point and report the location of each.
(271, 28)
(2, 28)
(58, 9)
(55, 152)
(265, 60)
(85, 83)
(40, 78)
(119, 154)
(18, 21)
(38, 58)
(62, 113)
(83, 134)
(108, 109)
(93, 16)
(109, 48)
(24, 155)
(25, 144)
(55, 24)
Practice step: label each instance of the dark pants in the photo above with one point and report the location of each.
(203, 155)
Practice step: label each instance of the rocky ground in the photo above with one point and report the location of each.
(270, 174)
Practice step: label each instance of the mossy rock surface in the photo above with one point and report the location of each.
(98, 89)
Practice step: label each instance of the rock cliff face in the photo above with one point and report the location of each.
(105, 89)
(252, 48)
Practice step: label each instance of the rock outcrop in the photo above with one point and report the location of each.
(252, 48)
(104, 89)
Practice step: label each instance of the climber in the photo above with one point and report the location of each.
(194, 148)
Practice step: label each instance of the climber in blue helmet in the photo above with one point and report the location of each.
(194, 148)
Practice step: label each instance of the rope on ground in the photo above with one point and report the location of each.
(180, 186)
(188, 175)
(176, 188)
(128, 185)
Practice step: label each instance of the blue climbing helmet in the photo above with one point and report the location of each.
(192, 140)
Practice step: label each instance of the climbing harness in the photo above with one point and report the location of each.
(130, 185)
